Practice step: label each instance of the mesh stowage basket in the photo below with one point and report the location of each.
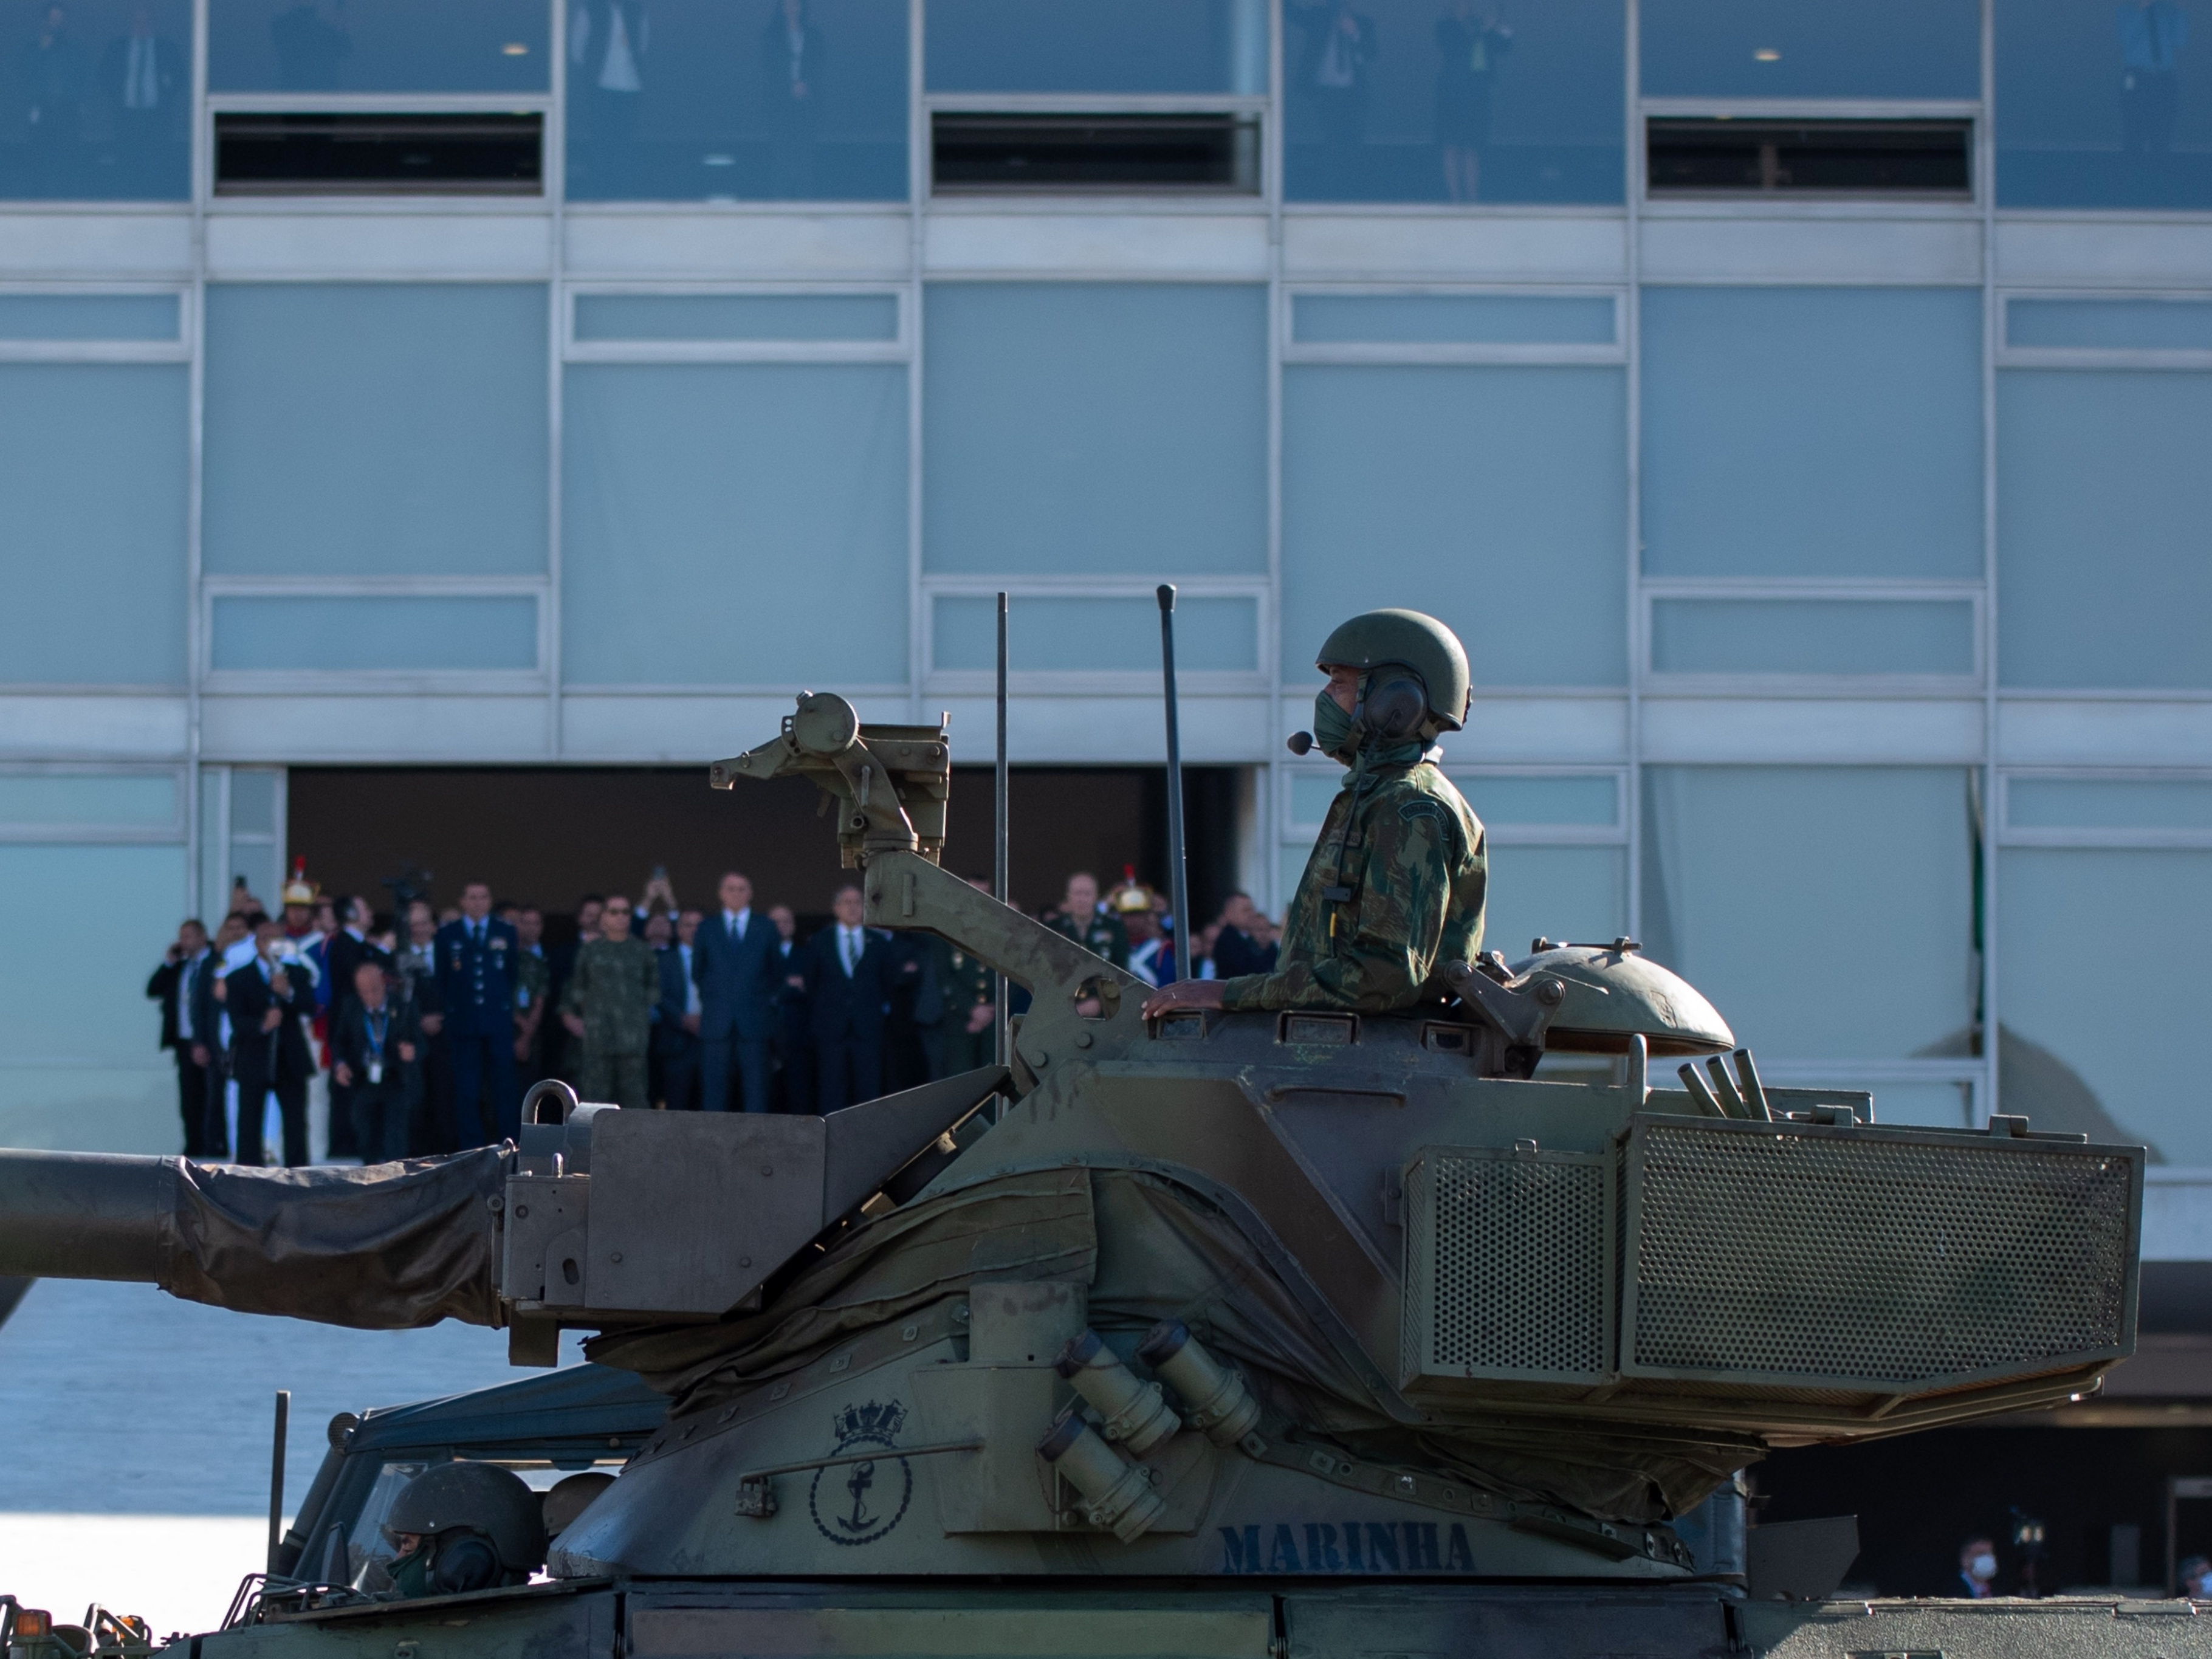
(1508, 1266)
(1854, 1259)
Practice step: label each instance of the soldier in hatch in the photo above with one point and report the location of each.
(1394, 888)
(608, 1006)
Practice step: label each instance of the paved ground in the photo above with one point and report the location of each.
(136, 1430)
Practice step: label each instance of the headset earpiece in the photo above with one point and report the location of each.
(1394, 710)
(464, 1563)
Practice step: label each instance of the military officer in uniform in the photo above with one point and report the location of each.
(533, 980)
(1396, 886)
(966, 1033)
(608, 1007)
(1080, 919)
(477, 973)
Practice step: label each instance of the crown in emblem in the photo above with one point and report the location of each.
(871, 1422)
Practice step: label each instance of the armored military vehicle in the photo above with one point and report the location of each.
(1306, 1335)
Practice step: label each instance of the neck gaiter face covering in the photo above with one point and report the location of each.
(1332, 729)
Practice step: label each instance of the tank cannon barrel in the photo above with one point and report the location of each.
(83, 1215)
(608, 1218)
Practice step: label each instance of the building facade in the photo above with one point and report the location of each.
(1806, 421)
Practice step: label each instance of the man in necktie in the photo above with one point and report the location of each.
(846, 984)
(676, 1031)
(476, 958)
(736, 966)
(181, 985)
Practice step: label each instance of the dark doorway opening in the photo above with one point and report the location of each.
(546, 836)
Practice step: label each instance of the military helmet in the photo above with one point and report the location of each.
(1407, 639)
(478, 1498)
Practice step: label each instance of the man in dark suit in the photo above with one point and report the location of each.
(268, 1049)
(476, 976)
(184, 989)
(794, 1016)
(847, 972)
(375, 1058)
(1235, 950)
(736, 965)
(676, 1029)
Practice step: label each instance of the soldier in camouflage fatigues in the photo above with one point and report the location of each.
(1396, 887)
(1393, 890)
(608, 1005)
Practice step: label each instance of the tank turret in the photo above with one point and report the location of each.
(1268, 1296)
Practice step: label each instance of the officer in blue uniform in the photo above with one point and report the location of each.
(477, 973)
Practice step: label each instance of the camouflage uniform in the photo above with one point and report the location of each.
(533, 978)
(614, 985)
(1413, 872)
(1099, 933)
(967, 982)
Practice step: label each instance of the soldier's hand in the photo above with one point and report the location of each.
(271, 1018)
(574, 1022)
(1183, 994)
(406, 1051)
(341, 1074)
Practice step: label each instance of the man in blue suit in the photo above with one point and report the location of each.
(477, 975)
(739, 969)
(849, 973)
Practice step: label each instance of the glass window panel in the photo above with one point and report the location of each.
(319, 396)
(1930, 1105)
(91, 909)
(1812, 432)
(2104, 512)
(724, 103)
(1553, 892)
(1310, 794)
(1098, 45)
(1812, 636)
(1755, 49)
(253, 803)
(93, 489)
(2113, 804)
(736, 317)
(89, 316)
(2102, 105)
(1453, 101)
(1499, 493)
(141, 801)
(1772, 890)
(1086, 426)
(1586, 800)
(394, 46)
(735, 524)
(1450, 319)
(99, 108)
(214, 880)
(2107, 1054)
(373, 633)
(1079, 635)
(2111, 324)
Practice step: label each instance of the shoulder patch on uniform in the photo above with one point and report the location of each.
(1420, 806)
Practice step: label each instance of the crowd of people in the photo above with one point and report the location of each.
(325, 1030)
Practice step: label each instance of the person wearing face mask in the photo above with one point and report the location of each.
(1978, 1568)
(1395, 889)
